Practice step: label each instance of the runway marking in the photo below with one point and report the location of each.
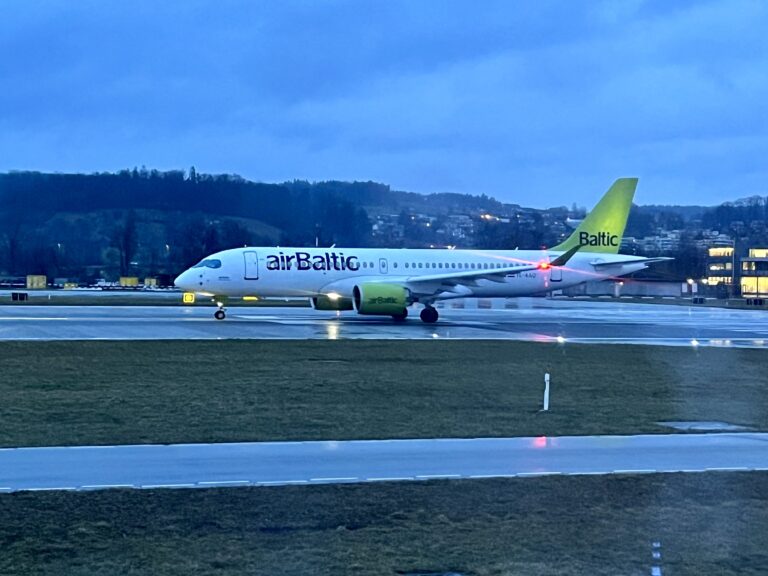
(533, 474)
(392, 479)
(6, 489)
(727, 469)
(281, 482)
(223, 482)
(47, 489)
(634, 471)
(342, 479)
(151, 486)
(437, 476)
(100, 486)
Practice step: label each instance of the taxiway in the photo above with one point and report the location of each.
(286, 463)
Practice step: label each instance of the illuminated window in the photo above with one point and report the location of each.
(758, 252)
(754, 286)
(720, 252)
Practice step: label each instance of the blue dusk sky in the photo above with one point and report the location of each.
(538, 103)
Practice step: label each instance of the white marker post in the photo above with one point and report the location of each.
(546, 392)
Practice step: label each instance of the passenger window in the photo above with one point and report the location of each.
(395, 265)
(406, 264)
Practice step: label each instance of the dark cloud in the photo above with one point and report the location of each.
(538, 103)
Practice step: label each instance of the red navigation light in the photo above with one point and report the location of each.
(543, 265)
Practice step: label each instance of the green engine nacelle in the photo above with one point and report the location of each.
(380, 299)
(324, 302)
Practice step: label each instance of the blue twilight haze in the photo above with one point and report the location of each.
(540, 103)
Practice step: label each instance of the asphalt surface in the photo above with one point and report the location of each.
(285, 463)
(530, 319)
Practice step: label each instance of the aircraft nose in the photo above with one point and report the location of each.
(185, 281)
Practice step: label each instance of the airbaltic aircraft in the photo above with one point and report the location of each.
(385, 282)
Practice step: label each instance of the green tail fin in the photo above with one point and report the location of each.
(603, 228)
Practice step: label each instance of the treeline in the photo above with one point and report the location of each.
(148, 222)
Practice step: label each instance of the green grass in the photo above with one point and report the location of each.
(714, 523)
(60, 393)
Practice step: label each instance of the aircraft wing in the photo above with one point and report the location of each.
(470, 277)
(605, 264)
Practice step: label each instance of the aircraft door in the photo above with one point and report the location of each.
(251, 265)
(383, 268)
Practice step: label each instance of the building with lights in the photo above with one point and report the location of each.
(720, 268)
(754, 274)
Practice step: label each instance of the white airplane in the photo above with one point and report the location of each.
(385, 282)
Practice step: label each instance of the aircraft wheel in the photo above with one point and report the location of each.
(219, 315)
(429, 315)
(400, 317)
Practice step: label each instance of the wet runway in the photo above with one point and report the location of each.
(531, 319)
(286, 463)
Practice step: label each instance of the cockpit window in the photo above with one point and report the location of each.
(209, 263)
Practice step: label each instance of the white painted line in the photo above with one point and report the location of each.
(480, 476)
(691, 470)
(48, 489)
(281, 482)
(734, 469)
(224, 482)
(5, 489)
(347, 479)
(655, 571)
(99, 486)
(634, 471)
(532, 474)
(392, 479)
(437, 476)
(586, 473)
(151, 486)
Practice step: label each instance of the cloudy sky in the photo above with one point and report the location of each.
(540, 103)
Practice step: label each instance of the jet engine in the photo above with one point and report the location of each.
(381, 299)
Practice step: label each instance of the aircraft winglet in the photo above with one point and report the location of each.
(564, 257)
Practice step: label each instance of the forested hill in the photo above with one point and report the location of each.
(147, 221)
(295, 210)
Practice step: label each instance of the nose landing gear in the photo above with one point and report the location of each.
(221, 313)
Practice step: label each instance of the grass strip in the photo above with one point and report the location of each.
(65, 393)
(715, 523)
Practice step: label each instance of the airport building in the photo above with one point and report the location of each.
(720, 266)
(754, 274)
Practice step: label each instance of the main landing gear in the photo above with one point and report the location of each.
(400, 317)
(221, 313)
(429, 315)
